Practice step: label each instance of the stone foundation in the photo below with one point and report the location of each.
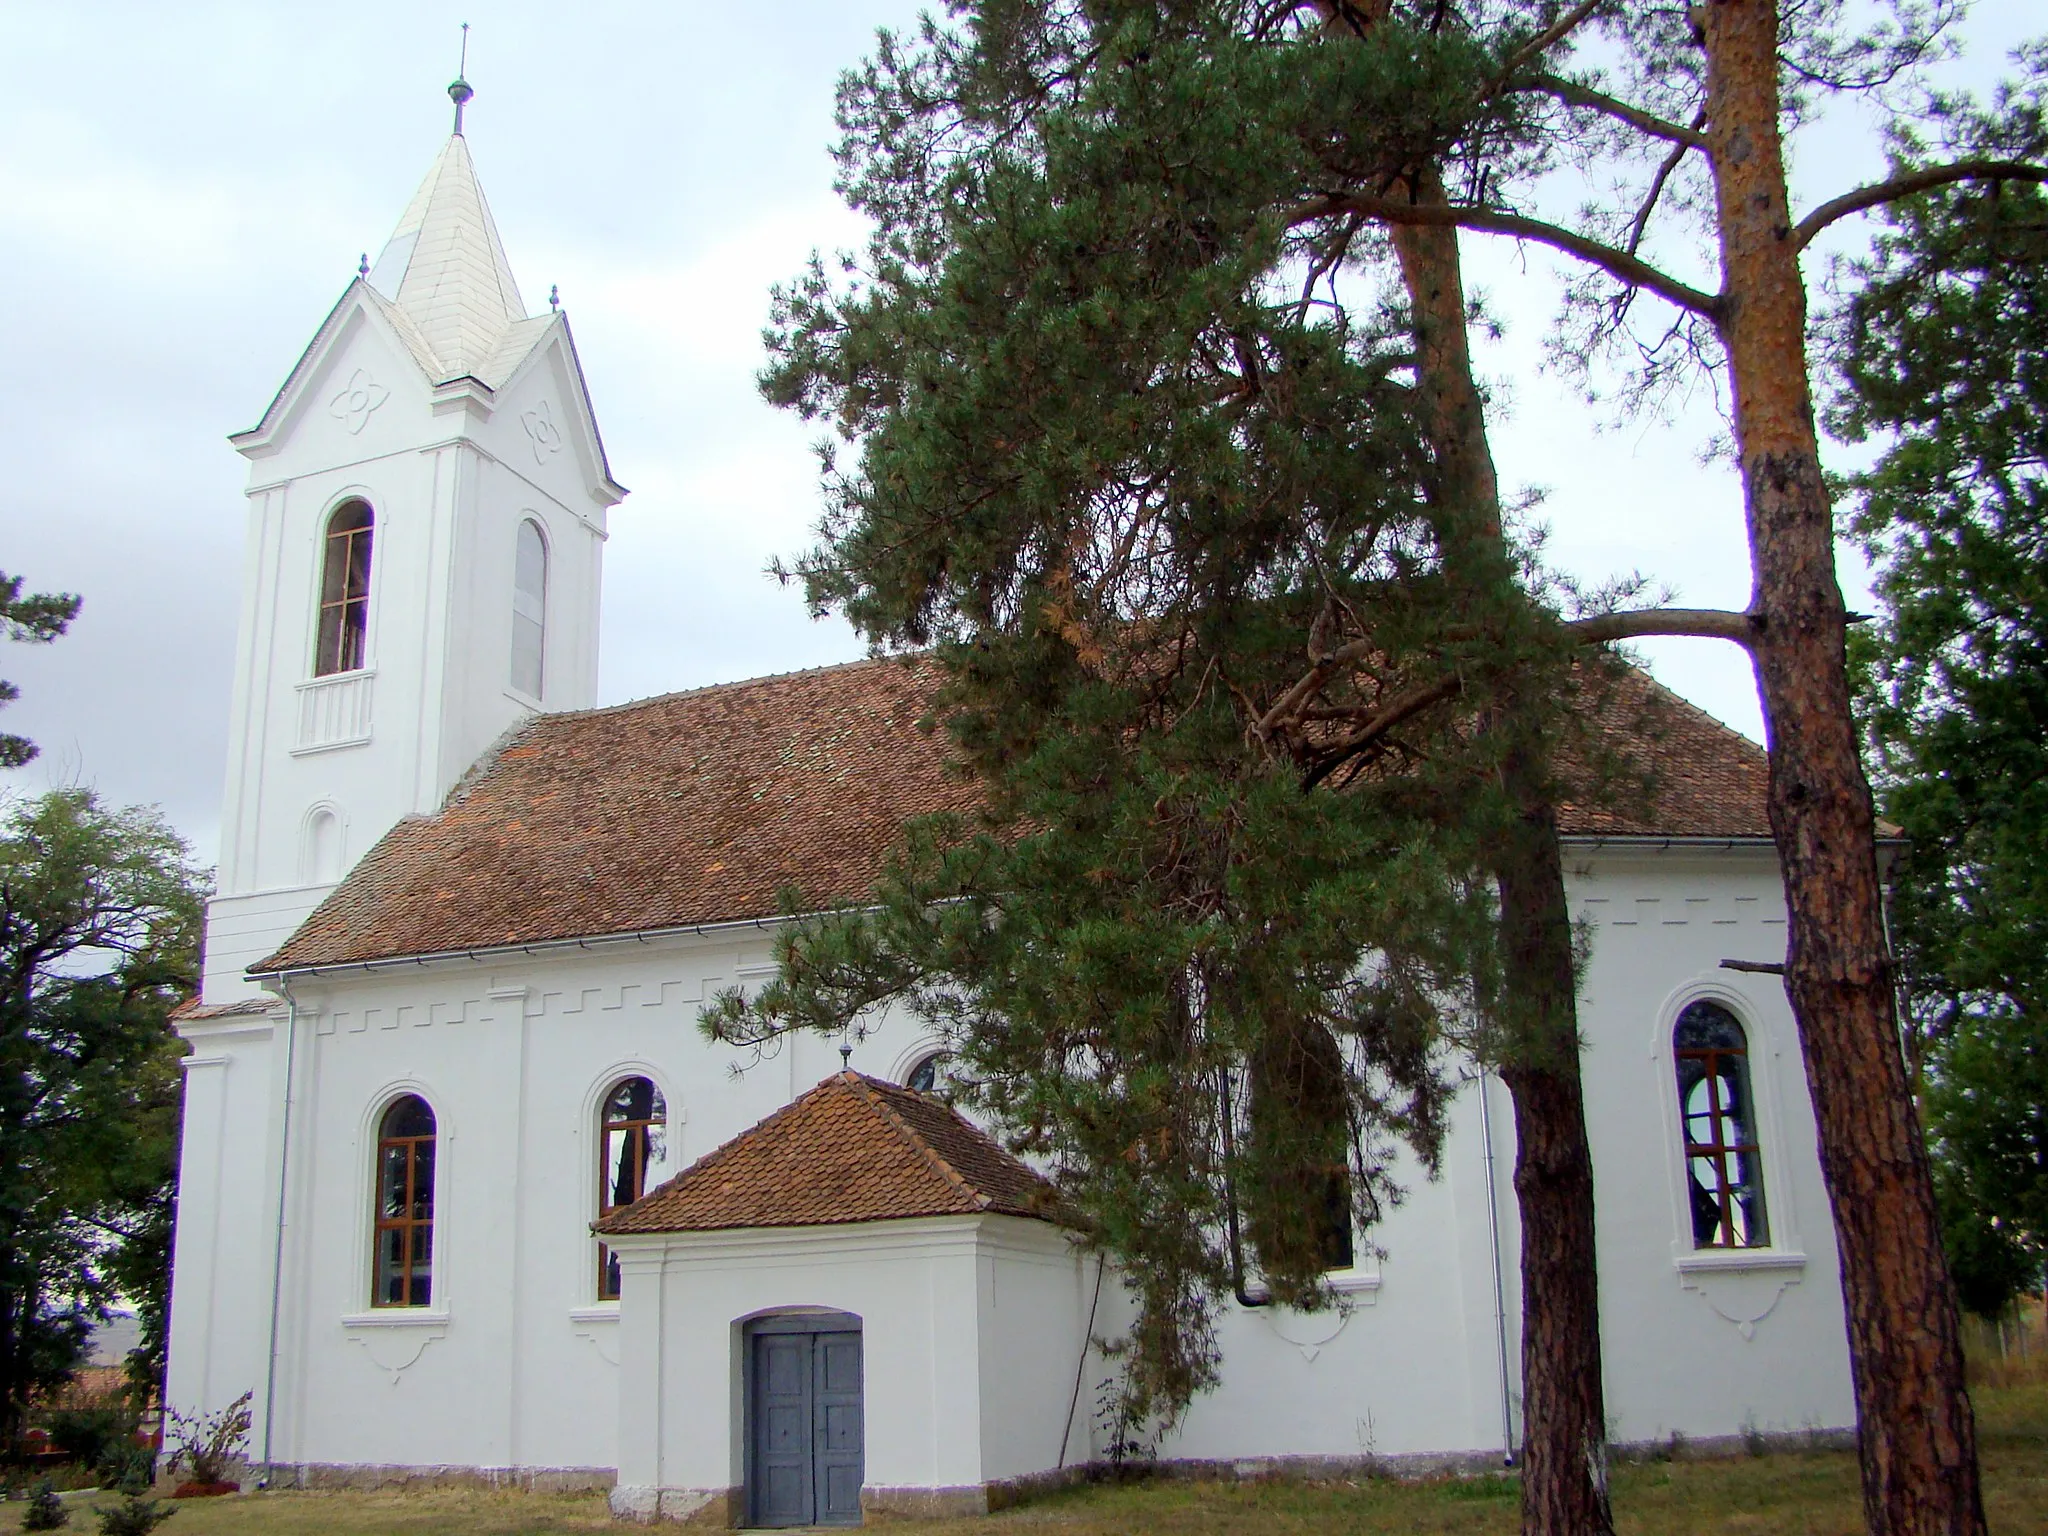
(355, 1475)
(726, 1507)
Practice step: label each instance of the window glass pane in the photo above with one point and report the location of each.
(358, 547)
(635, 1099)
(527, 643)
(530, 579)
(1337, 1248)
(529, 610)
(1706, 1026)
(391, 1267)
(408, 1116)
(354, 622)
(1723, 1165)
(422, 1180)
(334, 575)
(656, 1168)
(343, 621)
(391, 1195)
(618, 1165)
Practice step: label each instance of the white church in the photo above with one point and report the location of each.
(465, 924)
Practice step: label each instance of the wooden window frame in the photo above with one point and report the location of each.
(416, 1230)
(636, 1129)
(341, 632)
(1718, 1065)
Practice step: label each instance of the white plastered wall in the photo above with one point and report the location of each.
(450, 474)
(972, 1333)
(518, 1364)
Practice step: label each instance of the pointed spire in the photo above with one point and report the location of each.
(445, 267)
(459, 92)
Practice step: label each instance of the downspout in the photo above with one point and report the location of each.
(1500, 1304)
(284, 1156)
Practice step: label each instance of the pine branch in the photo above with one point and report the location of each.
(1573, 94)
(1905, 186)
(1552, 35)
(1619, 264)
(1638, 623)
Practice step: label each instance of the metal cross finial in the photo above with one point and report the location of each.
(459, 92)
(363, 266)
(554, 296)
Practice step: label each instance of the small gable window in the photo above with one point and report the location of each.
(405, 1205)
(634, 1142)
(1723, 1165)
(529, 609)
(930, 1074)
(345, 590)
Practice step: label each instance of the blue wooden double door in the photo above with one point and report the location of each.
(805, 1442)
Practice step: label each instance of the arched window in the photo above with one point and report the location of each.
(345, 590)
(529, 609)
(634, 1139)
(929, 1075)
(405, 1205)
(1724, 1171)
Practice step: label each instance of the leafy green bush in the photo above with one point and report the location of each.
(91, 1434)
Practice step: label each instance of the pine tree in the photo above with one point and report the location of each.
(1942, 350)
(1187, 546)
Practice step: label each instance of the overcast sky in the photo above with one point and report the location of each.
(185, 190)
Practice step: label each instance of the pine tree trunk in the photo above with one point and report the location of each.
(1564, 1456)
(1915, 1432)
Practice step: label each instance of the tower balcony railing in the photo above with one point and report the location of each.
(334, 711)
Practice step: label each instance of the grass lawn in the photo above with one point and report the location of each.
(1810, 1494)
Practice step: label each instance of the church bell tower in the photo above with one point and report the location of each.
(427, 503)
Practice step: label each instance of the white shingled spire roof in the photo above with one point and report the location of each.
(444, 270)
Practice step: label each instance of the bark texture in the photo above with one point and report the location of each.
(1564, 1451)
(1916, 1435)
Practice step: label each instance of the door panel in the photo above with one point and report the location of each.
(838, 1437)
(782, 1430)
(807, 1437)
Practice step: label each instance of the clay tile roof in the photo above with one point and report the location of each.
(691, 808)
(852, 1149)
(1705, 780)
(703, 807)
(194, 1011)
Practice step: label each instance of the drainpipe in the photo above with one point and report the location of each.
(1500, 1305)
(284, 1155)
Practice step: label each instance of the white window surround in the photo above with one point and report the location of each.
(379, 524)
(397, 1317)
(364, 1243)
(1763, 1030)
(588, 1144)
(1703, 1261)
(595, 1312)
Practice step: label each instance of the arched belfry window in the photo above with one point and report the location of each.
(405, 1205)
(633, 1148)
(529, 609)
(345, 590)
(1723, 1167)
